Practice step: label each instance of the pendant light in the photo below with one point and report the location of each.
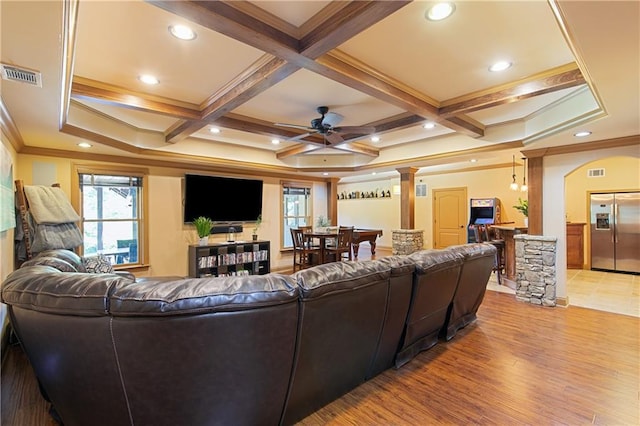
(514, 184)
(524, 186)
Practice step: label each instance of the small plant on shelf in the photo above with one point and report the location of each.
(203, 226)
(256, 227)
(522, 207)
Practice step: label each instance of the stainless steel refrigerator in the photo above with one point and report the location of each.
(615, 231)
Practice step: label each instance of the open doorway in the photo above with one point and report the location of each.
(597, 289)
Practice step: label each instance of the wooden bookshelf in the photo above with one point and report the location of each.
(230, 259)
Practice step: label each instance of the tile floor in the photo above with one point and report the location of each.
(602, 291)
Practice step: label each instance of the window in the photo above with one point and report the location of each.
(296, 210)
(111, 206)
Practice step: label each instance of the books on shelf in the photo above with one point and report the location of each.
(234, 259)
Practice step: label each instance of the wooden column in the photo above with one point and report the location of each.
(332, 200)
(407, 197)
(534, 177)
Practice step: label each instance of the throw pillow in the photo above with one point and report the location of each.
(99, 264)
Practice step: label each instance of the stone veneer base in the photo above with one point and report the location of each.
(536, 269)
(406, 241)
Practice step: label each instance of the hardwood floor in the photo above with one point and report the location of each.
(517, 364)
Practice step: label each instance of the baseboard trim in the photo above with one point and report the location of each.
(562, 301)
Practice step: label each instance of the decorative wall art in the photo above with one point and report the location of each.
(7, 209)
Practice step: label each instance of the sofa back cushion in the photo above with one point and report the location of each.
(66, 255)
(398, 300)
(206, 351)
(472, 284)
(55, 262)
(46, 289)
(434, 284)
(342, 314)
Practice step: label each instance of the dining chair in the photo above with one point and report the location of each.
(341, 250)
(305, 254)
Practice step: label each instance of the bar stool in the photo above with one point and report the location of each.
(490, 238)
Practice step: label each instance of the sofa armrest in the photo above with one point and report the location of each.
(125, 274)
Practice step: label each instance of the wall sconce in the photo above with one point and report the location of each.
(514, 184)
(524, 186)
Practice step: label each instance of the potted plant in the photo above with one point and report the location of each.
(322, 222)
(203, 227)
(523, 207)
(256, 227)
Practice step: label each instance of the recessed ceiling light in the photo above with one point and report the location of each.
(375, 139)
(500, 66)
(473, 160)
(182, 32)
(275, 141)
(440, 11)
(325, 174)
(84, 145)
(214, 130)
(581, 134)
(148, 79)
(429, 125)
(373, 173)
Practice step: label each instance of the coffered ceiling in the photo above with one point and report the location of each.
(380, 65)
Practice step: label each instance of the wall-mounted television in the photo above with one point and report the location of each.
(222, 199)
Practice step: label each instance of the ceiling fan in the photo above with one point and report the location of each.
(325, 125)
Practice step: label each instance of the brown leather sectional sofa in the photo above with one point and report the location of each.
(252, 350)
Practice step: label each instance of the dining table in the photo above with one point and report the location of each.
(322, 237)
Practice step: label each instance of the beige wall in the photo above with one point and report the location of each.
(385, 213)
(621, 173)
(169, 237)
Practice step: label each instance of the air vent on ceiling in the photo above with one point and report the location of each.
(595, 173)
(22, 75)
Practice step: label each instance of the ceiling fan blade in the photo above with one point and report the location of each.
(332, 119)
(302, 136)
(333, 138)
(355, 129)
(295, 126)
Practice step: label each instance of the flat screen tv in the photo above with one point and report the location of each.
(222, 199)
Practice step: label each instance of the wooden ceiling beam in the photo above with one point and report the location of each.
(396, 122)
(112, 95)
(344, 24)
(297, 150)
(338, 26)
(377, 86)
(259, 77)
(549, 81)
(357, 148)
